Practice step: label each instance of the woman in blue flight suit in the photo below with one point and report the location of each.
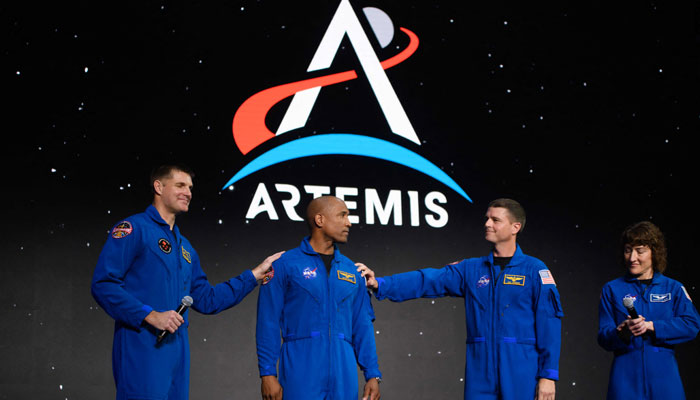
(644, 366)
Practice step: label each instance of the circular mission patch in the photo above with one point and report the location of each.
(122, 229)
(165, 246)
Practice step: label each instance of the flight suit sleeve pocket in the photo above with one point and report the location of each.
(555, 303)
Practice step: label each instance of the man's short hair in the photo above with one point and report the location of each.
(515, 210)
(645, 234)
(166, 171)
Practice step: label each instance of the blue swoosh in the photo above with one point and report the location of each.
(346, 144)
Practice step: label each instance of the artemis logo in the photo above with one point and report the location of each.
(250, 130)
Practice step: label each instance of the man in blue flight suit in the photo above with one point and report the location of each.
(144, 270)
(319, 304)
(512, 308)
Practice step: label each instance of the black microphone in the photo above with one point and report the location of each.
(628, 302)
(184, 305)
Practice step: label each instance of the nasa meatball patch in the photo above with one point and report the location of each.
(122, 229)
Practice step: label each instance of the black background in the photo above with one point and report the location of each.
(585, 113)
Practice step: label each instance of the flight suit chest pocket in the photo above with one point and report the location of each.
(162, 250)
(306, 286)
(515, 295)
(660, 305)
(513, 286)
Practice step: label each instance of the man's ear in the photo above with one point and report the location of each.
(318, 220)
(158, 187)
(515, 227)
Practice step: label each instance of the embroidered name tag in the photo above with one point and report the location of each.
(514, 280)
(659, 298)
(346, 276)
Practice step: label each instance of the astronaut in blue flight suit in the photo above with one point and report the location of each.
(319, 305)
(144, 270)
(512, 310)
(644, 366)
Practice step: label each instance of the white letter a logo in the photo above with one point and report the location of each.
(345, 21)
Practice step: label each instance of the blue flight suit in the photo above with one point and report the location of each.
(324, 321)
(513, 319)
(144, 266)
(646, 367)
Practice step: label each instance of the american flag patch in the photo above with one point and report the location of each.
(547, 278)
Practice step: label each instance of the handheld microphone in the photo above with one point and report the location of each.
(628, 302)
(184, 305)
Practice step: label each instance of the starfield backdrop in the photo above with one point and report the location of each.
(583, 112)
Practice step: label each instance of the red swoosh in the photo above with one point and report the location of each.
(249, 129)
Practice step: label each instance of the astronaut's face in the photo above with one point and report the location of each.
(336, 221)
(639, 261)
(498, 227)
(175, 191)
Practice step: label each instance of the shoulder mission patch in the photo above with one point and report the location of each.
(122, 229)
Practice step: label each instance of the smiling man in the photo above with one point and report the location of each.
(512, 311)
(319, 305)
(145, 269)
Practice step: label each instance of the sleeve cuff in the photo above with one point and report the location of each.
(248, 278)
(141, 317)
(377, 293)
(372, 373)
(267, 371)
(552, 374)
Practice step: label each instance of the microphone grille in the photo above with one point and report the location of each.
(187, 300)
(628, 302)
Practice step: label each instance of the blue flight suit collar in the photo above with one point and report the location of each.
(342, 283)
(518, 257)
(307, 249)
(153, 213)
(658, 276)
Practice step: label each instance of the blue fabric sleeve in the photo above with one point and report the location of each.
(267, 330)
(607, 327)
(548, 330)
(363, 335)
(684, 324)
(108, 280)
(210, 299)
(428, 282)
